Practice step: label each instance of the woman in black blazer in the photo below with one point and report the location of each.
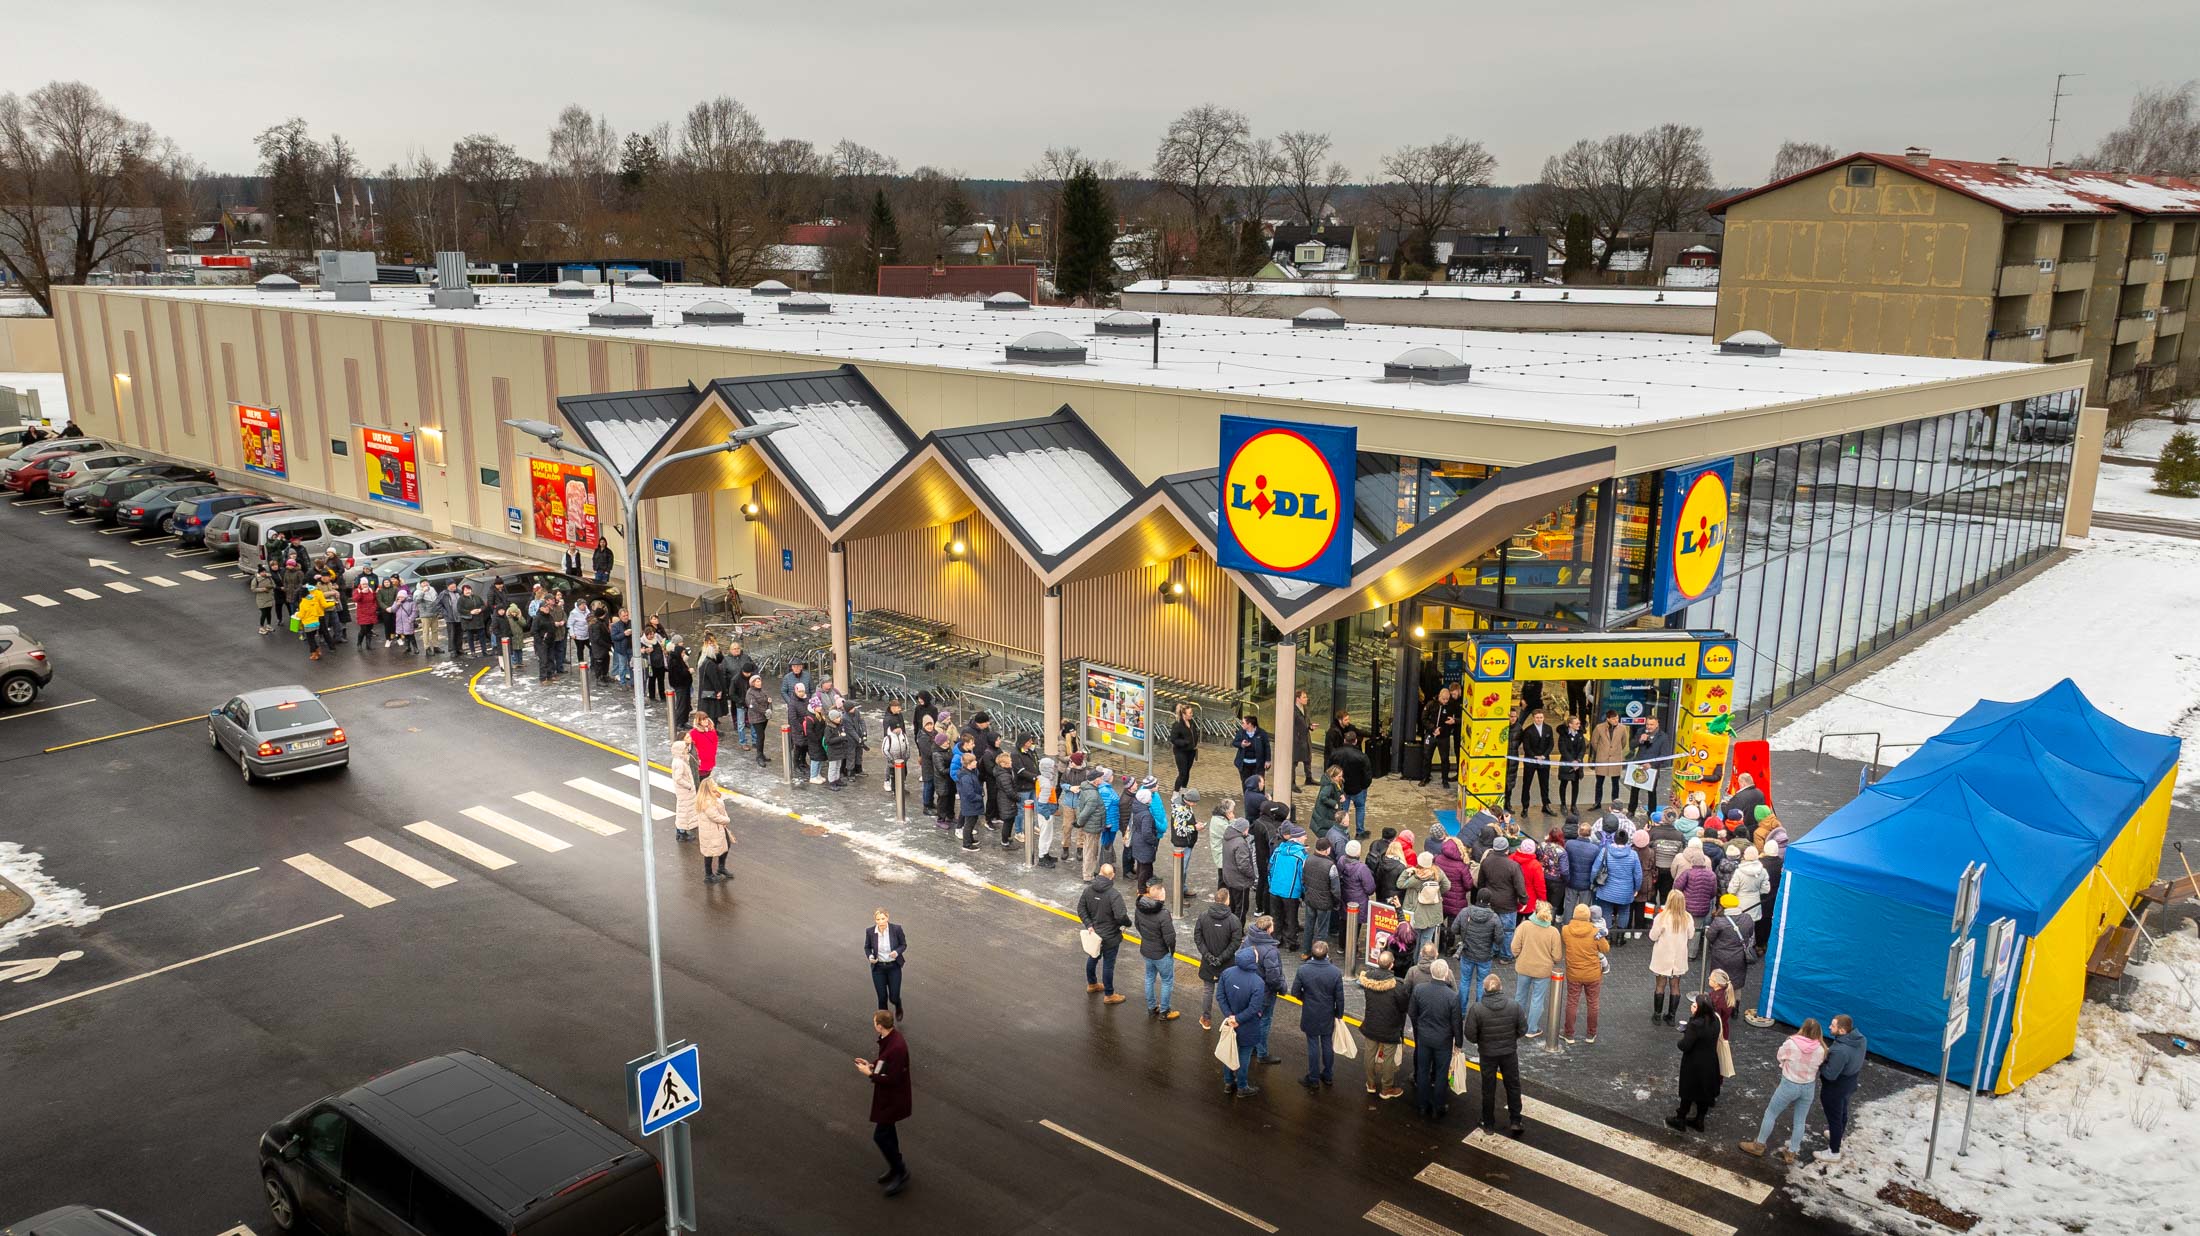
(884, 946)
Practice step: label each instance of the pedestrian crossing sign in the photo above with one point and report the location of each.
(669, 1089)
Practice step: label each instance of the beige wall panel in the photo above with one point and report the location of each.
(783, 526)
(1120, 619)
(179, 367)
(31, 345)
(150, 376)
(990, 597)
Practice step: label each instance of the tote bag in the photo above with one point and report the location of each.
(1458, 1071)
(1090, 939)
(1226, 1048)
(1726, 1058)
(1341, 1041)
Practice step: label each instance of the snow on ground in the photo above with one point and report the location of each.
(2130, 491)
(2116, 617)
(2104, 1141)
(20, 307)
(53, 393)
(2145, 438)
(52, 905)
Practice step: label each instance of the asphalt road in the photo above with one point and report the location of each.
(140, 1073)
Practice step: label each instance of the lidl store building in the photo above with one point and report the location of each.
(1044, 484)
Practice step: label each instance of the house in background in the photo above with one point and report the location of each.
(1499, 257)
(1296, 251)
(801, 267)
(972, 243)
(959, 282)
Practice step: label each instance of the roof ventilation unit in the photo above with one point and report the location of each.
(620, 313)
(1124, 322)
(572, 289)
(1917, 156)
(349, 273)
(1045, 347)
(804, 302)
(712, 313)
(771, 287)
(643, 279)
(1432, 366)
(1749, 343)
(452, 289)
(1006, 300)
(278, 283)
(2005, 164)
(1319, 318)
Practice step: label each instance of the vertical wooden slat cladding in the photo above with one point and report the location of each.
(83, 357)
(599, 367)
(781, 525)
(706, 549)
(990, 596)
(641, 368)
(1120, 619)
(516, 484)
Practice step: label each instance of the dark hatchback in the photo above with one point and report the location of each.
(191, 523)
(456, 1145)
(520, 579)
(107, 500)
(157, 507)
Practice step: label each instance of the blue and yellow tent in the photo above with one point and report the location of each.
(2067, 808)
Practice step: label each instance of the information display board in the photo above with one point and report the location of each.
(1115, 709)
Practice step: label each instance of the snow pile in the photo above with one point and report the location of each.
(2130, 491)
(2104, 1141)
(51, 904)
(2032, 638)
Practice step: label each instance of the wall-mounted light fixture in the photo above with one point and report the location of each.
(750, 511)
(1172, 584)
(958, 542)
(1419, 631)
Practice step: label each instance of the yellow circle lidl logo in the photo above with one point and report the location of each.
(1281, 500)
(1699, 537)
(1718, 660)
(1493, 662)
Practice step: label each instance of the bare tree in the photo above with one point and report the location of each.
(1422, 192)
(420, 196)
(1677, 176)
(491, 181)
(1310, 177)
(1258, 178)
(710, 190)
(1795, 157)
(81, 186)
(1199, 155)
(2162, 134)
(1606, 182)
(584, 151)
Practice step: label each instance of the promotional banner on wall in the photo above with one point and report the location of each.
(1285, 501)
(1117, 710)
(393, 467)
(564, 499)
(260, 435)
(1692, 525)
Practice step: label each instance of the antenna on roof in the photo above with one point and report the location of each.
(2054, 115)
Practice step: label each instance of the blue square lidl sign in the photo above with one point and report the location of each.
(1692, 532)
(1285, 506)
(669, 1089)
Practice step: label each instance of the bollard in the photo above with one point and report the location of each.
(1176, 884)
(1557, 997)
(786, 755)
(672, 729)
(506, 642)
(1027, 819)
(1352, 938)
(585, 705)
(901, 792)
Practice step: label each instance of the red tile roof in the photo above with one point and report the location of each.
(958, 281)
(2022, 190)
(819, 233)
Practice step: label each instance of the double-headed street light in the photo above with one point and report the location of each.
(629, 495)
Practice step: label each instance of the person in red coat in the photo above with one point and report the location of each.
(890, 1097)
(1531, 871)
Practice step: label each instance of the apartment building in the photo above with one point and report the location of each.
(1996, 261)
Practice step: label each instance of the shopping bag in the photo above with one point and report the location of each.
(1090, 939)
(1341, 1042)
(1458, 1071)
(294, 624)
(1226, 1048)
(1726, 1058)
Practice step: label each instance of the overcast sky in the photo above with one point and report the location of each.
(984, 88)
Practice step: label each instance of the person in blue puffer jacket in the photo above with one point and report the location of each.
(1616, 878)
(1111, 806)
(1582, 852)
(1287, 883)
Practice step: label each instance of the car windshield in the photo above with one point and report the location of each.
(295, 715)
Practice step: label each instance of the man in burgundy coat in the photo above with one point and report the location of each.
(890, 1097)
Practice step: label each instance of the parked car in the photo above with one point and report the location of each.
(106, 499)
(191, 524)
(306, 529)
(80, 496)
(23, 456)
(438, 567)
(75, 1221)
(25, 667)
(276, 732)
(2044, 424)
(521, 578)
(157, 507)
(11, 436)
(222, 534)
(76, 469)
(437, 1149)
(361, 550)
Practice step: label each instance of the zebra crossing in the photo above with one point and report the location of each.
(134, 585)
(484, 836)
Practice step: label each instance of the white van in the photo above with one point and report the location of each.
(307, 529)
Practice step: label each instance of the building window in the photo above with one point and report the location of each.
(1863, 175)
(337, 446)
(491, 477)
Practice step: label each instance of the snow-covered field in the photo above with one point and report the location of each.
(52, 905)
(2103, 1142)
(2117, 617)
(53, 393)
(2146, 437)
(2130, 491)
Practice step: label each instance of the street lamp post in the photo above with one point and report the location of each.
(629, 496)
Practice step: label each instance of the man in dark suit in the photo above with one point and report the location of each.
(884, 946)
(890, 1098)
(1535, 744)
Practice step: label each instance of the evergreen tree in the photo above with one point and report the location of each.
(2177, 473)
(881, 239)
(1579, 246)
(1087, 269)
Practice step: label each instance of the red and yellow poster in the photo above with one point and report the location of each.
(393, 467)
(260, 434)
(564, 499)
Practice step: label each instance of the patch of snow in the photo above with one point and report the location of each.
(20, 307)
(53, 905)
(2130, 491)
(2145, 438)
(2022, 644)
(2104, 1141)
(53, 392)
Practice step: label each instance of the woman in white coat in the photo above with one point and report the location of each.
(1670, 934)
(686, 772)
(713, 837)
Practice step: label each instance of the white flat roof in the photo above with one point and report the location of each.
(1602, 380)
(1525, 293)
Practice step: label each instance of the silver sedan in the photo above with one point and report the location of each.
(277, 731)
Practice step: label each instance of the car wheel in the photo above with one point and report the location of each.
(281, 1210)
(244, 767)
(168, 525)
(213, 739)
(18, 689)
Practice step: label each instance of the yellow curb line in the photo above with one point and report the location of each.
(200, 716)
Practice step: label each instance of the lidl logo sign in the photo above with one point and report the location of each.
(1493, 662)
(1692, 534)
(1718, 661)
(1286, 500)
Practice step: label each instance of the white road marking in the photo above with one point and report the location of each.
(514, 829)
(571, 815)
(44, 601)
(400, 862)
(59, 510)
(84, 519)
(188, 553)
(35, 501)
(173, 891)
(6, 608)
(158, 540)
(470, 851)
(620, 798)
(171, 966)
(1171, 1181)
(349, 885)
(1391, 1219)
(1648, 1205)
(1497, 1202)
(239, 1230)
(1752, 1191)
(119, 586)
(196, 575)
(117, 530)
(161, 580)
(657, 780)
(82, 594)
(10, 716)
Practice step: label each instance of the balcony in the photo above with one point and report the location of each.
(2074, 276)
(2180, 267)
(2019, 346)
(2170, 323)
(2143, 269)
(2132, 327)
(2022, 279)
(2065, 340)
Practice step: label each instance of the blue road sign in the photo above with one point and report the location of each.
(669, 1089)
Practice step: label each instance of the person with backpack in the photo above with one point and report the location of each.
(1184, 833)
(1422, 891)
